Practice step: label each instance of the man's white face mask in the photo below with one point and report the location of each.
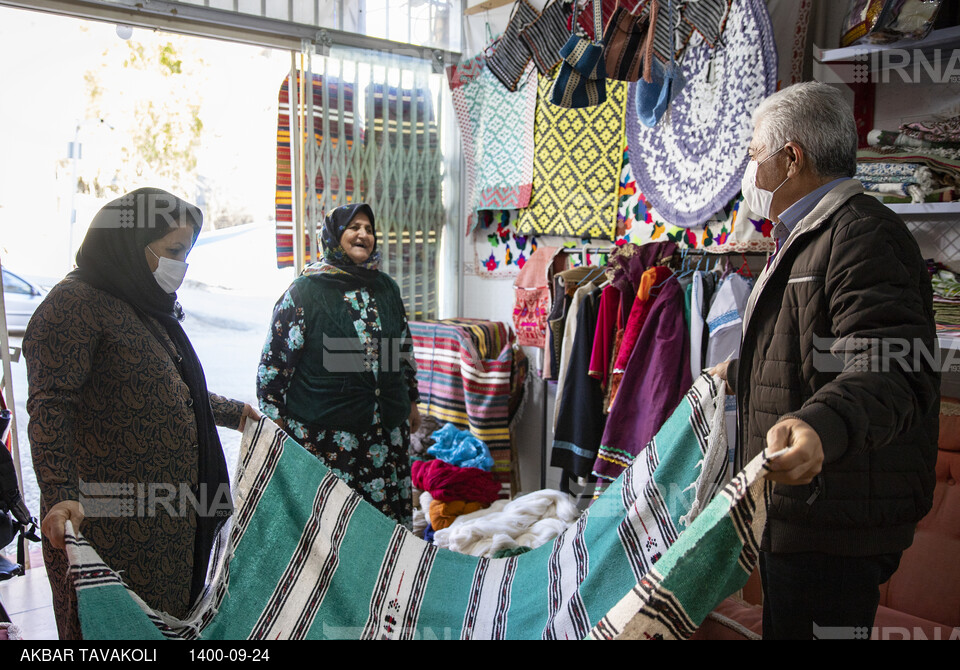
(758, 200)
(169, 273)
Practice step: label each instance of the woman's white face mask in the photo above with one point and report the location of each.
(169, 273)
(759, 200)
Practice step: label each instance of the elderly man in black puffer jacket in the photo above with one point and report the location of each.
(837, 375)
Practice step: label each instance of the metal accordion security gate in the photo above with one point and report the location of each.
(375, 138)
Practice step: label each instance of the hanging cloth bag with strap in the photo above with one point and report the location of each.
(546, 35)
(581, 81)
(660, 84)
(511, 56)
(623, 45)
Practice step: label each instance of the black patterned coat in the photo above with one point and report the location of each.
(107, 405)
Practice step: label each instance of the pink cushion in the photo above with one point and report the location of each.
(927, 583)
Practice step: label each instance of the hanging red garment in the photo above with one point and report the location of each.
(655, 381)
(604, 337)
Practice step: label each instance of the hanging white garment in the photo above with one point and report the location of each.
(725, 321)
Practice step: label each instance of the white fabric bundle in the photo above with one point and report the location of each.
(12, 631)
(528, 521)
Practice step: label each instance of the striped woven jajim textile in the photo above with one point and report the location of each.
(305, 558)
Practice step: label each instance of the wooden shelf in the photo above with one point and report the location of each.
(486, 6)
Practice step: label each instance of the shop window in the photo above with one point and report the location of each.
(376, 139)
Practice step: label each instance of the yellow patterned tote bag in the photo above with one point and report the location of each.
(576, 166)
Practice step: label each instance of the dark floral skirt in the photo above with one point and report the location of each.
(375, 463)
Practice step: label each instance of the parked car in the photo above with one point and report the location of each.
(21, 298)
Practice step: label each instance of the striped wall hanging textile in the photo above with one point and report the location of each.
(704, 18)
(330, 127)
(623, 42)
(509, 61)
(576, 166)
(707, 17)
(305, 558)
(547, 34)
(378, 143)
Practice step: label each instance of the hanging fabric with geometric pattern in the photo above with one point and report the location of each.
(576, 166)
(505, 142)
(497, 130)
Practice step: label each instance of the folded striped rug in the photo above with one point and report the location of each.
(464, 369)
(308, 559)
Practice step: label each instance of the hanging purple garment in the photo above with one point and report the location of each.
(655, 380)
(628, 264)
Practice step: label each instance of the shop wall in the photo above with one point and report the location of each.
(492, 299)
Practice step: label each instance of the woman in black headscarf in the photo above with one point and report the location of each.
(122, 428)
(337, 371)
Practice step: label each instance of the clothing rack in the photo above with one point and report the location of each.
(584, 251)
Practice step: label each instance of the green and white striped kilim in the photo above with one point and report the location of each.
(308, 559)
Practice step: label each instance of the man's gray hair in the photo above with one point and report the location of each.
(816, 117)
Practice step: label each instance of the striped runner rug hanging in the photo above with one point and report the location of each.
(346, 129)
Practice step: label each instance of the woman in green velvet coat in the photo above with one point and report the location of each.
(337, 370)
